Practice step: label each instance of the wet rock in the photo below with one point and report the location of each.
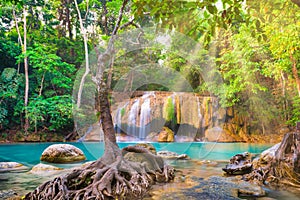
(166, 135)
(7, 194)
(172, 155)
(208, 163)
(239, 164)
(62, 153)
(229, 188)
(11, 166)
(44, 169)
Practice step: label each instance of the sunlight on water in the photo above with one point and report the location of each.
(207, 160)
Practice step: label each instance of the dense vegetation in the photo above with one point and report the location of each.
(43, 44)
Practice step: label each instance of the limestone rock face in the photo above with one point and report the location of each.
(166, 135)
(62, 153)
(217, 134)
(11, 166)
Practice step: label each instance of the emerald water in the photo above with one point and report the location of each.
(29, 155)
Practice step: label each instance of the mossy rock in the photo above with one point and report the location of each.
(166, 135)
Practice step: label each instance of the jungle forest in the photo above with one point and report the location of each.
(224, 71)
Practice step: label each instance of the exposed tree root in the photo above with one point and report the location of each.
(281, 167)
(121, 179)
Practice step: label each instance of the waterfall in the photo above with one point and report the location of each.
(199, 110)
(145, 116)
(118, 118)
(132, 118)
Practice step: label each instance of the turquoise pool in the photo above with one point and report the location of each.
(29, 153)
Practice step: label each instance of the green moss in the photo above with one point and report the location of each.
(123, 112)
(169, 110)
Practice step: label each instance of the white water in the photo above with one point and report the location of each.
(145, 116)
(132, 118)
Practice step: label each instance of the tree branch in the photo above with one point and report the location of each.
(297, 2)
(117, 26)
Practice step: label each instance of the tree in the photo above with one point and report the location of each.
(83, 31)
(115, 175)
(131, 179)
(24, 51)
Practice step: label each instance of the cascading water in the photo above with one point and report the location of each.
(145, 116)
(132, 118)
(118, 118)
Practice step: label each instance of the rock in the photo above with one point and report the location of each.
(239, 164)
(229, 188)
(166, 135)
(123, 137)
(148, 146)
(217, 134)
(62, 153)
(208, 163)
(152, 137)
(8, 194)
(11, 166)
(172, 155)
(44, 169)
(143, 157)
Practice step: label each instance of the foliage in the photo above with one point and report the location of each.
(54, 113)
(295, 111)
(10, 85)
(252, 49)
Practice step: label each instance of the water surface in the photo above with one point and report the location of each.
(29, 155)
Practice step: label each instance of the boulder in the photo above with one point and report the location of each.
(148, 146)
(44, 169)
(62, 153)
(166, 135)
(239, 164)
(11, 166)
(172, 155)
(143, 157)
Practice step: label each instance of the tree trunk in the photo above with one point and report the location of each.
(280, 164)
(295, 72)
(87, 67)
(26, 125)
(24, 49)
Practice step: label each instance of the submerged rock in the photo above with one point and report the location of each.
(172, 155)
(7, 194)
(62, 153)
(44, 169)
(227, 188)
(12, 166)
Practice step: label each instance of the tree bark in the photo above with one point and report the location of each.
(86, 50)
(26, 125)
(295, 72)
(297, 2)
